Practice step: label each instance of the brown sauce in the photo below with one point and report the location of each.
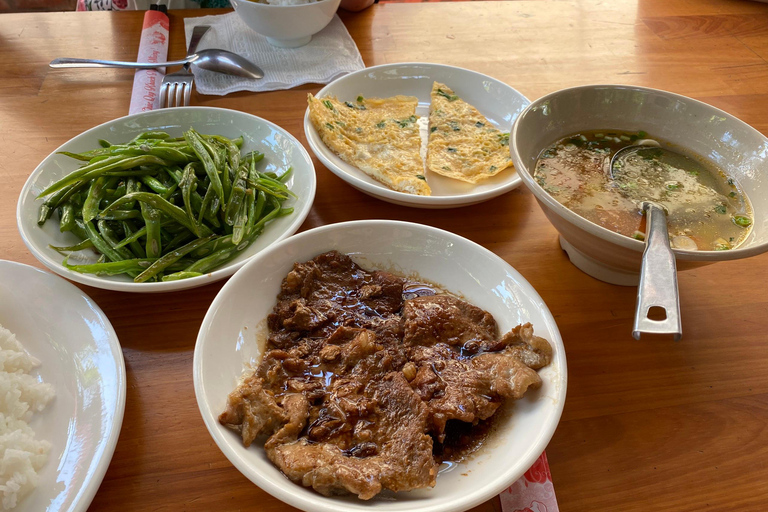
(369, 380)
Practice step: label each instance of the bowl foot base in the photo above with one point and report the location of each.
(598, 270)
(289, 43)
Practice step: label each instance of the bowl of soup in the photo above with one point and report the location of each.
(562, 145)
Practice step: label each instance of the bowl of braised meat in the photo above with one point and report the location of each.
(380, 364)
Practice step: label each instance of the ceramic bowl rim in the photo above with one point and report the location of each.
(600, 231)
(320, 503)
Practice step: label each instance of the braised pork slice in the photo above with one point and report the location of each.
(357, 385)
(396, 455)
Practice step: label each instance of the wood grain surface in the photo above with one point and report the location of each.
(648, 425)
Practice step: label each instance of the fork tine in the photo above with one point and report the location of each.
(179, 94)
(163, 94)
(172, 94)
(187, 93)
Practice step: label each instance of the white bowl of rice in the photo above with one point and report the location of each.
(286, 23)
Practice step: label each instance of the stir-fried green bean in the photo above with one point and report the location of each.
(162, 208)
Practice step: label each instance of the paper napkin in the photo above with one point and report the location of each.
(330, 54)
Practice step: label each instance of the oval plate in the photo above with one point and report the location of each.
(280, 148)
(80, 356)
(497, 101)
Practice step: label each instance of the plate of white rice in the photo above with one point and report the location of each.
(62, 392)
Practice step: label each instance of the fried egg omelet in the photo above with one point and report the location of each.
(378, 136)
(463, 144)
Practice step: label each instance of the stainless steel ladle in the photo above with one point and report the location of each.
(658, 275)
(212, 59)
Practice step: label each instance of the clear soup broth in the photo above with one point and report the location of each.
(707, 211)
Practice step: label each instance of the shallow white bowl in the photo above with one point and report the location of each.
(287, 26)
(81, 357)
(280, 148)
(701, 129)
(497, 101)
(227, 345)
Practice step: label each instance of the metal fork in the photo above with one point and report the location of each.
(176, 88)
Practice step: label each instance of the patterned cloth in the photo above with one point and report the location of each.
(143, 5)
(533, 492)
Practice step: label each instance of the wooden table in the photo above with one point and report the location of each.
(648, 425)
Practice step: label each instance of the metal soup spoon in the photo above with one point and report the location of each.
(212, 59)
(659, 181)
(630, 168)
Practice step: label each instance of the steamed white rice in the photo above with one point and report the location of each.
(21, 395)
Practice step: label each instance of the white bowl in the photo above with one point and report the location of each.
(226, 346)
(81, 357)
(287, 26)
(738, 149)
(497, 101)
(280, 148)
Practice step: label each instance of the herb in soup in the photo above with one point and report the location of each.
(706, 209)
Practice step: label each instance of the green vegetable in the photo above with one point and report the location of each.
(742, 220)
(720, 209)
(419, 176)
(380, 124)
(433, 129)
(449, 97)
(360, 99)
(152, 220)
(357, 107)
(504, 139)
(328, 104)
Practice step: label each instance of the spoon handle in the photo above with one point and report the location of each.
(658, 280)
(96, 63)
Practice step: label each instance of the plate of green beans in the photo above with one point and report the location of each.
(165, 200)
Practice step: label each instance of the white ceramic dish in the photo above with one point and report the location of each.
(280, 148)
(81, 356)
(497, 101)
(287, 26)
(690, 125)
(227, 344)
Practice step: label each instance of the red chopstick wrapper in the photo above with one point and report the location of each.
(533, 492)
(152, 48)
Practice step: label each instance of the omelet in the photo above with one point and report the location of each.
(378, 136)
(463, 144)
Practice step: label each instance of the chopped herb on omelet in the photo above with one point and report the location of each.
(462, 143)
(449, 97)
(378, 136)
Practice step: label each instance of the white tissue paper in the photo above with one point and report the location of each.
(330, 54)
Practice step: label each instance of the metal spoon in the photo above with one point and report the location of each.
(658, 275)
(212, 59)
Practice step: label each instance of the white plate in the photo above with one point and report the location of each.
(80, 355)
(280, 148)
(227, 343)
(497, 101)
